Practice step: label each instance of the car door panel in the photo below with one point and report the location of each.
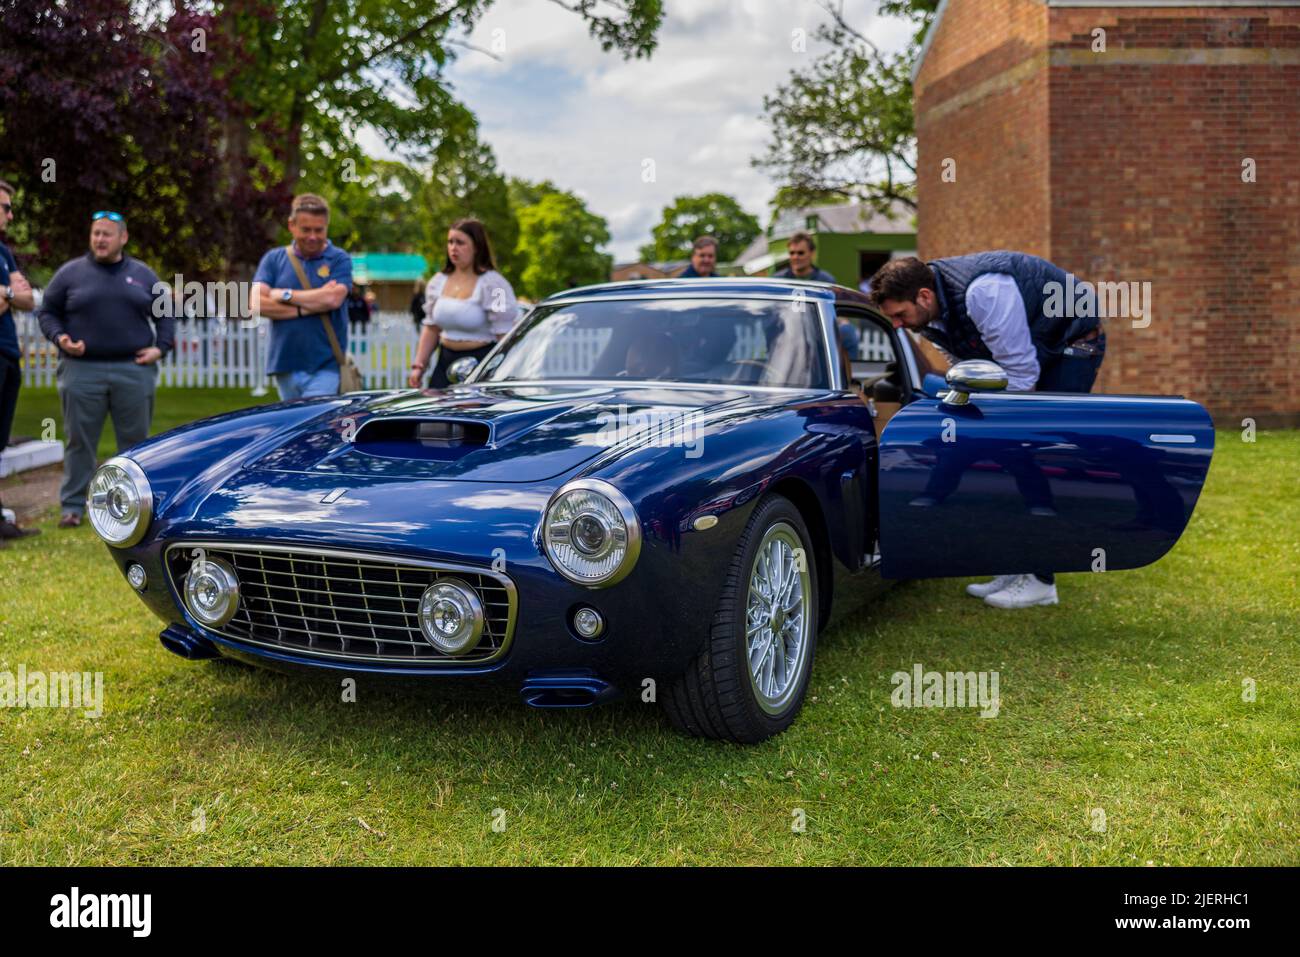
(1021, 482)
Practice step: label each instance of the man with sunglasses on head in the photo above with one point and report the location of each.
(101, 311)
(15, 293)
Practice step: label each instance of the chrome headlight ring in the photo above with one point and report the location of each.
(590, 533)
(119, 502)
(451, 616)
(212, 592)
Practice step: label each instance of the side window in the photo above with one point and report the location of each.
(929, 357)
(877, 370)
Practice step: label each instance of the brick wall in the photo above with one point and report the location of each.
(1132, 160)
(982, 89)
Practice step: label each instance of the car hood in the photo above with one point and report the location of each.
(492, 433)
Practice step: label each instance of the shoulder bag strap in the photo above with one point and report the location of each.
(296, 263)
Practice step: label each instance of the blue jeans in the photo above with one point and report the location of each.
(305, 385)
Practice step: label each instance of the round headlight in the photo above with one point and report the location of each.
(451, 616)
(211, 592)
(120, 503)
(591, 533)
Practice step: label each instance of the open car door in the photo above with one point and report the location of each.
(1014, 482)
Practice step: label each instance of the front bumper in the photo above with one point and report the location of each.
(656, 619)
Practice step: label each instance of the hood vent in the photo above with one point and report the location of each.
(420, 438)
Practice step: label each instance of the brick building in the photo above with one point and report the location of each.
(1132, 142)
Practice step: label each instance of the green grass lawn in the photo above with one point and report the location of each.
(37, 407)
(1126, 699)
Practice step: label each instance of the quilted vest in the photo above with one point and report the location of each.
(1032, 274)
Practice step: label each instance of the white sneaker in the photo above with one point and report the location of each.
(1025, 591)
(984, 589)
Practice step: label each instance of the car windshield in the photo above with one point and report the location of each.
(761, 342)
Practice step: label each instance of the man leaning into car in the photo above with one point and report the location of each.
(995, 305)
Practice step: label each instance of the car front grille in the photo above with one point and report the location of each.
(345, 605)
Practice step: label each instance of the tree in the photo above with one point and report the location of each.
(375, 208)
(689, 217)
(102, 109)
(527, 193)
(559, 243)
(843, 128)
(391, 206)
(200, 115)
(464, 181)
(325, 68)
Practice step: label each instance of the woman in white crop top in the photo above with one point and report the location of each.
(468, 306)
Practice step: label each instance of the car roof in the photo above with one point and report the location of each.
(720, 286)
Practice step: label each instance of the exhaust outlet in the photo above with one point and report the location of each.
(566, 690)
(179, 640)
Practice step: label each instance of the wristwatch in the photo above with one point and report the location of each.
(286, 295)
(9, 293)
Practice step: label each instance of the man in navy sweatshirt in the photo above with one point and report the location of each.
(99, 309)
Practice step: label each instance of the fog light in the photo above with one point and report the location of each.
(451, 616)
(136, 576)
(588, 623)
(211, 592)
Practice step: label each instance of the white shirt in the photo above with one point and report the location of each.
(489, 311)
(995, 305)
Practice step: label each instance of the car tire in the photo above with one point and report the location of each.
(721, 696)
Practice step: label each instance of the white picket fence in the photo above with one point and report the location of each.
(232, 353)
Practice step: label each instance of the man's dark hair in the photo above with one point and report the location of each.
(802, 237)
(901, 280)
(704, 241)
(483, 261)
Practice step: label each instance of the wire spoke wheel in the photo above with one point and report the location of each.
(776, 620)
(749, 680)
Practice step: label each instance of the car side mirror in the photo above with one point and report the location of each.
(459, 370)
(973, 375)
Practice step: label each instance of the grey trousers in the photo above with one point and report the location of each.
(90, 389)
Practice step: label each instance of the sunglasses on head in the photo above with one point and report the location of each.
(107, 214)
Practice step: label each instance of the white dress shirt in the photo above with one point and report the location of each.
(995, 305)
(487, 313)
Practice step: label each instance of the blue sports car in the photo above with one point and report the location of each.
(659, 487)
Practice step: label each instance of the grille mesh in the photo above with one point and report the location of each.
(336, 604)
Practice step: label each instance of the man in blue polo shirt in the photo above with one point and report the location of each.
(15, 293)
(300, 355)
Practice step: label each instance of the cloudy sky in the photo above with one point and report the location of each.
(556, 107)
